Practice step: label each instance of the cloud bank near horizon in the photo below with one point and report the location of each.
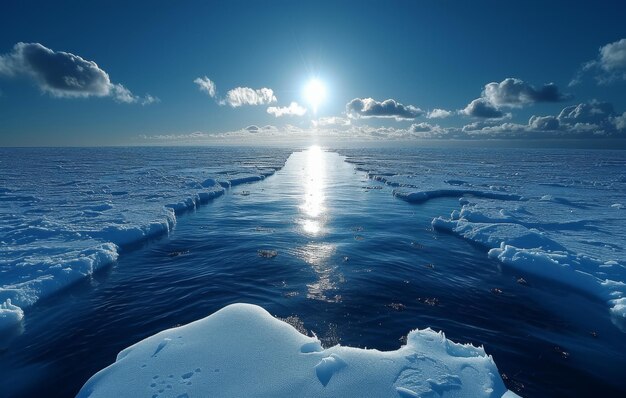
(586, 120)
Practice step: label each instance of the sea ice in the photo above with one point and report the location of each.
(553, 213)
(67, 211)
(243, 351)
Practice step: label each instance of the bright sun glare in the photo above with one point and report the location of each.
(315, 93)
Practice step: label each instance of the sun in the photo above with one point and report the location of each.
(315, 93)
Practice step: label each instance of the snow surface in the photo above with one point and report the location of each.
(242, 351)
(65, 212)
(553, 213)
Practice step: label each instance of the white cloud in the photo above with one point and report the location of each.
(438, 114)
(63, 74)
(238, 96)
(544, 123)
(613, 58)
(292, 110)
(423, 127)
(585, 120)
(609, 66)
(515, 93)
(247, 96)
(427, 130)
(149, 99)
(593, 112)
(510, 93)
(620, 122)
(482, 108)
(124, 95)
(207, 85)
(390, 108)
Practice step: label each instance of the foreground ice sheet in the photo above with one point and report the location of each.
(64, 212)
(558, 214)
(242, 351)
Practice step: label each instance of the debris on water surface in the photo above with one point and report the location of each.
(496, 290)
(177, 253)
(267, 253)
(558, 350)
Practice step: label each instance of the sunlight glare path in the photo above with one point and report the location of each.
(314, 187)
(318, 251)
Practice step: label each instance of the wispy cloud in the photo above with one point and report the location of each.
(238, 96)
(64, 75)
(608, 67)
(207, 85)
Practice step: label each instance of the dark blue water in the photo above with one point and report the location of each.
(353, 264)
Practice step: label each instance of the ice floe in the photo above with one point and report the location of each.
(243, 351)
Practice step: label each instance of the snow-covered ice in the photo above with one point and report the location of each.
(10, 314)
(554, 213)
(67, 211)
(242, 351)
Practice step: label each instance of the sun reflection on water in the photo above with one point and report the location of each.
(314, 215)
(314, 188)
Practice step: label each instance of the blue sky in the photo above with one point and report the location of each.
(566, 61)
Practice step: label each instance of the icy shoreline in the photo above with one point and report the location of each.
(242, 351)
(68, 212)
